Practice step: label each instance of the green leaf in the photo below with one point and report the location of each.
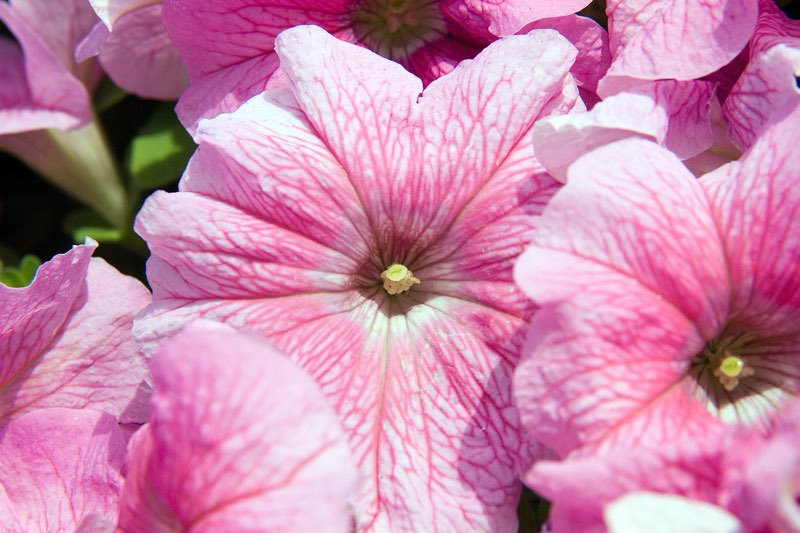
(158, 155)
(20, 276)
(107, 95)
(86, 223)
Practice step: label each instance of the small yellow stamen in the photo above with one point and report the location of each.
(397, 278)
(730, 370)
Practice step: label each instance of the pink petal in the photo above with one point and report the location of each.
(650, 511)
(756, 202)
(68, 340)
(140, 58)
(769, 80)
(60, 466)
(673, 113)
(666, 39)
(505, 17)
(599, 224)
(228, 47)
(239, 443)
(110, 10)
(589, 38)
(38, 91)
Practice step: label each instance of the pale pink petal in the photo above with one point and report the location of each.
(676, 114)
(140, 58)
(505, 17)
(663, 513)
(770, 79)
(67, 339)
(59, 467)
(38, 91)
(599, 219)
(580, 488)
(667, 39)
(756, 202)
(240, 440)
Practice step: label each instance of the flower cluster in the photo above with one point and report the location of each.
(426, 253)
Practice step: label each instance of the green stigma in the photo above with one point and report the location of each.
(731, 366)
(396, 272)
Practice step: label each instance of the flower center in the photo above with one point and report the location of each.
(725, 359)
(397, 28)
(398, 279)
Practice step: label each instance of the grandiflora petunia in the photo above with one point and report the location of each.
(369, 228)
(670, 313)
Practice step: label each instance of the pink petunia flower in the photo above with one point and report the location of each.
(665, 39)
(134, 49)
(60, 471)
(65, 340)
(228, 47)
(675, 300)
(44, 92)
(240, 440)
(769, 80)
(368, 228)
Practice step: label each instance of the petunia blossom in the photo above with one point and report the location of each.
(668, 39)
(46, 118)
(228, 47)
(769, 80)
(675, 301)
(368, 227)
(134, 49)
(240, 440)
(61, 471)
(66, 340)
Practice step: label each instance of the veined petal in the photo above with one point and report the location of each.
(608, 366)
(506, 17)
(667, 39)
(236, 443)
(756, 202)
(31, 316)
(67, 340)
(770, 79)
(671, 247)
(673, 113)
(59, 466)
(306, 190)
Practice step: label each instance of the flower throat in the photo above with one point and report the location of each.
(397, 28)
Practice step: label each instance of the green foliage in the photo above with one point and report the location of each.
(86, 223)
(157, 156)
(21, 275)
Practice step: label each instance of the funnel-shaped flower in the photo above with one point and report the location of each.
(240, 440)
(307, 217)
(228, 47)
(65, 339)
(60, 471)
(671, 304)
(44, 92)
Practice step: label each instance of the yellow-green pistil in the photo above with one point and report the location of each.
(398, 279)
(730, 370)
